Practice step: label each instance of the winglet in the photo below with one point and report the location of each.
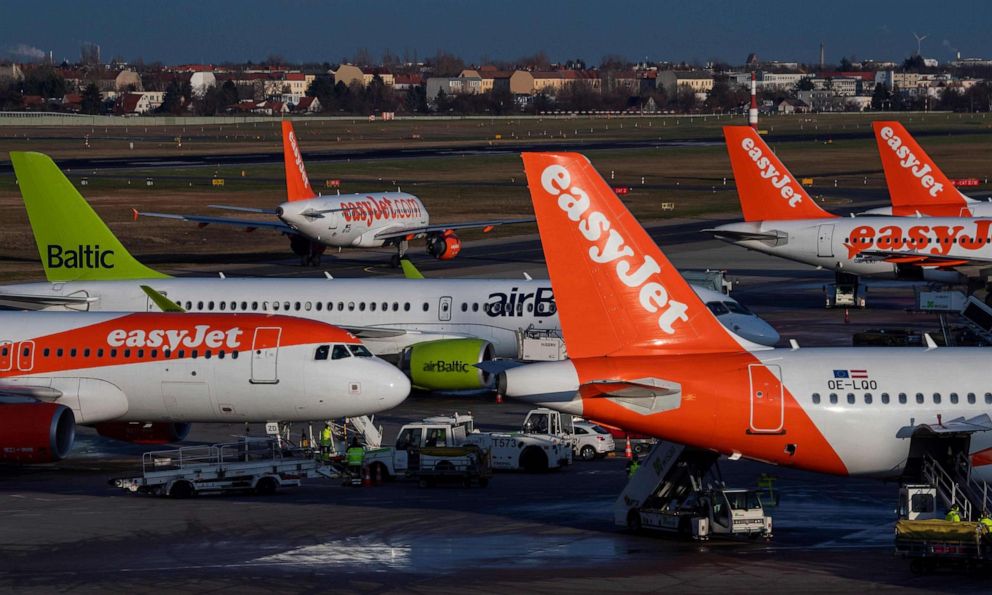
(766, 189)
(297, 182)
(73, 242)
(616, 292)
(164, 304)
(914, 180)
(410, 271)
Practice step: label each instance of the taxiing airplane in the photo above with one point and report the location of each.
(314, 222)
(647, 355)
(782, 219)
(144, 377)
(916, 185)
(435, 328)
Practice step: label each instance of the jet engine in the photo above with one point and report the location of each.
(144, 433)
(448, 364)
(36, 432)
(444, 246)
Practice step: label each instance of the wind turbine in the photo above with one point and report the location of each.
(919, 41)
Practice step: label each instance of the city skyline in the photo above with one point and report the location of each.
(312, 31)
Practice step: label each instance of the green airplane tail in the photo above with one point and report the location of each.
(73, 242)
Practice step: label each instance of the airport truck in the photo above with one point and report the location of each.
(527, 451)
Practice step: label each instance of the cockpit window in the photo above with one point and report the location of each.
(360, 351)
(340, 352)
(736, 308)
(321, 353)
(717, 308)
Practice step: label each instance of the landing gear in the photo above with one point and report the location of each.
(401, 247)
(308, 251)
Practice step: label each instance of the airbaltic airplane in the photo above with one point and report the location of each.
(315, 222)
(782, 220)
(168, 370)
(648, 356)
(916, 185)
(440, 326)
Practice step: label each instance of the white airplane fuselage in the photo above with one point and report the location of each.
(354, 220)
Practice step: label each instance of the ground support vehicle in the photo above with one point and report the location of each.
(933, 544)
(258, 465)
(672, 493)
(463, 465)
(591, 441)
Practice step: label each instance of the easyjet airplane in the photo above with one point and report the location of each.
(144, 377)
(916, 185)
(648, 356)
(781, 219)
(437, 327)
(315, 222)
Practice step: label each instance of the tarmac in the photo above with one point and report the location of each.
(62, 527)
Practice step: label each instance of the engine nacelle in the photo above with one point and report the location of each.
(548, 384)
(448, 364)
(444, 246)
(36, 432)
(144, 433)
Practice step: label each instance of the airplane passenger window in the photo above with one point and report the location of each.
(199, 305)
(850, 398)
(971, 398)
(233, 306)
(360, 351)
(244, 305)
(885, 398)
(254, 306)
(189, 306)
(717, 308)
(919, 398)
(46, 352)
(265, 306)
(113, 352)
(406, 306)
(275, 306)
(72, 352)
(351, 306)
(321, 353)
(868, 399)
(396, 306)
(296, 306)
(285, 306)
(182, 353)
(936, 398)
(99, 352)
(127, 353)
(464, 307)
(208, 354)
(234, 354)
(154, 353)
(86, 352)
(988, 398)
(426, 306)
(954, 398)
(475, 307)
(530, 307)
(141, 353)
(210, 305)
(167, 352)
(222, 306)
(816, 398)
(340, 352)
(372, 306)
(221, 354)
(361, 306)
(833, 398)
(385, 306)
(340, 306)
(902, 398)
(307, 306)
(318, 305)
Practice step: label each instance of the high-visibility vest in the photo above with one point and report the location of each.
(953, 517)
(325, 437)
(356, 455)
(987, 523)
(633, 469)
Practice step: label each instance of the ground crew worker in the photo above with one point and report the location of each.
(986, 522)
(954, 514)
(355, 457)
(325, 440)
(633, 465)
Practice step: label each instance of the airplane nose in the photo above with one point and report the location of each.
(391, 386)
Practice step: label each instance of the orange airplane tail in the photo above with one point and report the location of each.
(297, 182)
(914, 180)
(766, 189)
(616, 293)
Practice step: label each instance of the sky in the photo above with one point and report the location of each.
(206, 31)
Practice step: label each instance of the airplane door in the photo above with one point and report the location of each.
(444, 309)
(25, 356)
(6, 356)
(767, 399)
(825, 240)
(265, 355)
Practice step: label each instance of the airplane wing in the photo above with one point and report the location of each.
(921, 259)
(958, 425)
(642, 388)
(26, 393)
(395, 232)
(29, 301)
(203, 221)
(244, 209)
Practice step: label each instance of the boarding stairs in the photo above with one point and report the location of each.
(365, 426)
(669, 476)
(955, 485)
(977, 316)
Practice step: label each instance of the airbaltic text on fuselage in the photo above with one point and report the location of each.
(515, 303)
(909, 160)
(201, 336)
(574, 201)
(80, 257)
(940, 239)
(373, 209)
(780, 180)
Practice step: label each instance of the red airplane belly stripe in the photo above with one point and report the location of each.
(714, 411)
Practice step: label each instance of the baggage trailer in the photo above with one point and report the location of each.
(934, 544)
(465, 465)
(260, 466)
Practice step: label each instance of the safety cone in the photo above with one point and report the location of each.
(627, 451)
(847, 316)
(499, 398)
(366, 478)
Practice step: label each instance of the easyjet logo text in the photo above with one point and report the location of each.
(298, 159)
(80, 257)
(373, 209)
(594, 226)
(931, 239)
(201, 336)
(908, 160)
(779, 180)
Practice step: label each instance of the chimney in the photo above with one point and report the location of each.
(821, 56)
(752, 114)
